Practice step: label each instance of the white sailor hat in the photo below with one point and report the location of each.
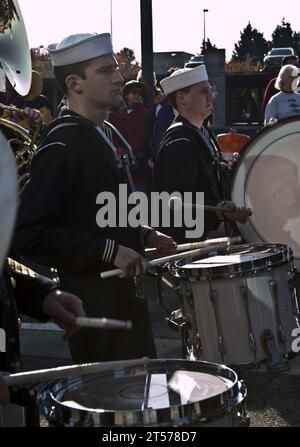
(184, 78)
(80, 48)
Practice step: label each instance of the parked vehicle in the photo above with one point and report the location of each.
(195, 61)
(274, 57)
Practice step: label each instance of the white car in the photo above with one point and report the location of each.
(195, 61)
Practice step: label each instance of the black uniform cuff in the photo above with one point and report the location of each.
(110, 251)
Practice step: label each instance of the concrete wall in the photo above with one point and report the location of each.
(165, 60)
(215, 64)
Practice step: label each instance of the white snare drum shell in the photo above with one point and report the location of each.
(228, 315)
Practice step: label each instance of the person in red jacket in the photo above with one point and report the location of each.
(130, 121)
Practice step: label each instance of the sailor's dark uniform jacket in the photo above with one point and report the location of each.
(57, 227)
(188, 161)
(21, 291)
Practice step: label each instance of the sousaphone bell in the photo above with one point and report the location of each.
(14, 49)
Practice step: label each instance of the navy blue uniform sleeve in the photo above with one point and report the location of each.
(40, 234)
(30, 290)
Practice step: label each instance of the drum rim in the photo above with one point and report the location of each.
(276, 259)
(177, 415)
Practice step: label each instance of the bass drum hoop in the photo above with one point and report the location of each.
(207, 410)
(240, 176)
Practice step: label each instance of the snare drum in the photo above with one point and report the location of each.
(239, 308)
(167, 393)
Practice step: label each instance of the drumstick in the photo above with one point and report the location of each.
(103, 323)
(194, 245)
(43, 375)
(187, 254)
(175, 203)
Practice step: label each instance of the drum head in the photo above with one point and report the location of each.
(267, 179)
(8, 196)
(170, 391)
(237, 261)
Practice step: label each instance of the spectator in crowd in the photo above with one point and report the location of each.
(285, 103)
(270, 89)
(130, 121)
(160, 119)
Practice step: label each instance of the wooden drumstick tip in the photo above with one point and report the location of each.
(128, 325)
(103, 323)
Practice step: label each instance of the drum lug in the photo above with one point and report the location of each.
(139, 289)
(277, 361)
(292, 281)
(213, 294)
(176, 321)
(274, 289)
(251, 338)
(197, 344)
(293, 284)
(53, 417)
(252, 342)
(242, 420)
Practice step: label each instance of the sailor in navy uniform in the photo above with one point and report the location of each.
(188, 159)
(57, 226)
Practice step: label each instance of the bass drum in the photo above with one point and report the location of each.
(267, 179)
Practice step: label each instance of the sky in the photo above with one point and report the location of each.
(177, 24)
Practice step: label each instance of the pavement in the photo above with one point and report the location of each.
(42, 345)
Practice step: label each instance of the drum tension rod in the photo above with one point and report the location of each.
(277, 362)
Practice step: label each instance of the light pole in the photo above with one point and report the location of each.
(147, 47)
(204, 38)
(111, 18)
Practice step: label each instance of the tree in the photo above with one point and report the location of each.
(208, 47)
(252, 44)
(41, 61)
(128, 65)
(296, 42)
(282, 36)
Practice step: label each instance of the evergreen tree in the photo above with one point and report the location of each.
(282, 36)
(208, 47)
(252, 44)
(296, 43)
